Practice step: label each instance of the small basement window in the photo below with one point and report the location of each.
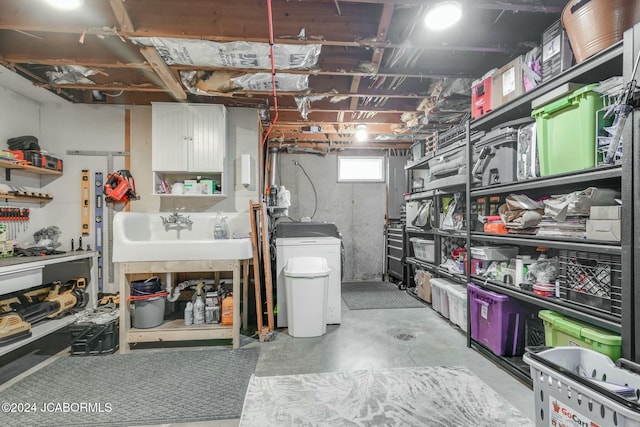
(361, 169)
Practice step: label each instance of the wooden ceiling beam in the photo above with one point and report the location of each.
(246, 92)
(165, 74)
(492, 5)
(93, 63)
(340, 145)
(122, 16)
(126, 88)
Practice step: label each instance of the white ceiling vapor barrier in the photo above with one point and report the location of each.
(70, 74)
(255, 55)
(222, 82)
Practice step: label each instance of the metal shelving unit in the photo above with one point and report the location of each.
(601, 319)
(606, 173)
(556, 243)
(597, 68)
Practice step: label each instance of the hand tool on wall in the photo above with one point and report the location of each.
(85, 202)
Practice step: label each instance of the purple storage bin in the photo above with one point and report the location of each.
(497, 321)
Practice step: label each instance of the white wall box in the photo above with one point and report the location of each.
(188, 140)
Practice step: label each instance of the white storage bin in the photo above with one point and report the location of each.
(494, 253)
(423, 249)
(439, 296)
(457, 296)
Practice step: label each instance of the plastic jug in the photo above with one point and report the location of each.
(227, 311)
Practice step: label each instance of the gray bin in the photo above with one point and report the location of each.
(496, 157)
(148, 313)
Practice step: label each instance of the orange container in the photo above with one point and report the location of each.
(227, 311)
(594, 25)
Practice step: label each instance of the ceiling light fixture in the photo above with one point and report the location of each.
(361, 133)
(443, 15)
(66, 4)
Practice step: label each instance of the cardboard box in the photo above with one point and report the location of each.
(604, 229)
(557, 55)
(204, 186)
(605, 212)
(508, 82)
(423, 285)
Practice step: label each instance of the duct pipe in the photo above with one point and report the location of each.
(273, 73)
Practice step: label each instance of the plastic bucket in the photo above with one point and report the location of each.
(149, 312)
(146, 287)
(594, 25)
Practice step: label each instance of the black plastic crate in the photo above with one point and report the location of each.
(592, 280)
(88, 339)
(534, 331)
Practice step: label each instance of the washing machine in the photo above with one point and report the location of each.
(305, 240)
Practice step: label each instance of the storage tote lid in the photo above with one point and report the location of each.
(439, 282)
(459, 291)
(476, 290)
(563, 102)
(579, 329)
(307, 267)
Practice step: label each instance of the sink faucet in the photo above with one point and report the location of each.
(176, 218)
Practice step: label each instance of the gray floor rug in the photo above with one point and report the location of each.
(373, 295)
(428, 396)
(135, 389)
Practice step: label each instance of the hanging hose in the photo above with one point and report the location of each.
(273, 73)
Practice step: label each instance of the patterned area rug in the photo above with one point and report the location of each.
(376, 295)
(139, 388)
(429, 396)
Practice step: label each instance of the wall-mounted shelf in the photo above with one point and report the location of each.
(28, 199)
(207, 196)
(9, 165)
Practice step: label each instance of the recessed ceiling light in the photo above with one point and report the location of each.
(443, 15)
(66, 4)
(361, 133)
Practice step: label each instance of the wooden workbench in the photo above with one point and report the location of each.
(175, 330)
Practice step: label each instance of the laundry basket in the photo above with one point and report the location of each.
(574, 386)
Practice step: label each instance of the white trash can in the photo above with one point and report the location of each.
(306, 281)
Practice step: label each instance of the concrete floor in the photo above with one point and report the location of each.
(388, 338)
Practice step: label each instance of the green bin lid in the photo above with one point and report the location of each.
(563, 102)
(579, 329)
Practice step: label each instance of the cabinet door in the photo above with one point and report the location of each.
(170, 137)
(207, 142)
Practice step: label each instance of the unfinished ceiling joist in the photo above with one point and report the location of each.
(122, 16)
(163, 71)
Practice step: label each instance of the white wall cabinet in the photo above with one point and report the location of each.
(188, 139)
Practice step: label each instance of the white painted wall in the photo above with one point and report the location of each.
(358, 209)
(20, 116)
(62, 126)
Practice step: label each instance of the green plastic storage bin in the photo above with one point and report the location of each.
(566, 132)
(563, 331)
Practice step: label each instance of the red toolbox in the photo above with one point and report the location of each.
(482, 99)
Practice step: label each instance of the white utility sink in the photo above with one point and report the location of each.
(144, 237)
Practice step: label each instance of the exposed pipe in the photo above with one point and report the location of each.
(273, 73)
